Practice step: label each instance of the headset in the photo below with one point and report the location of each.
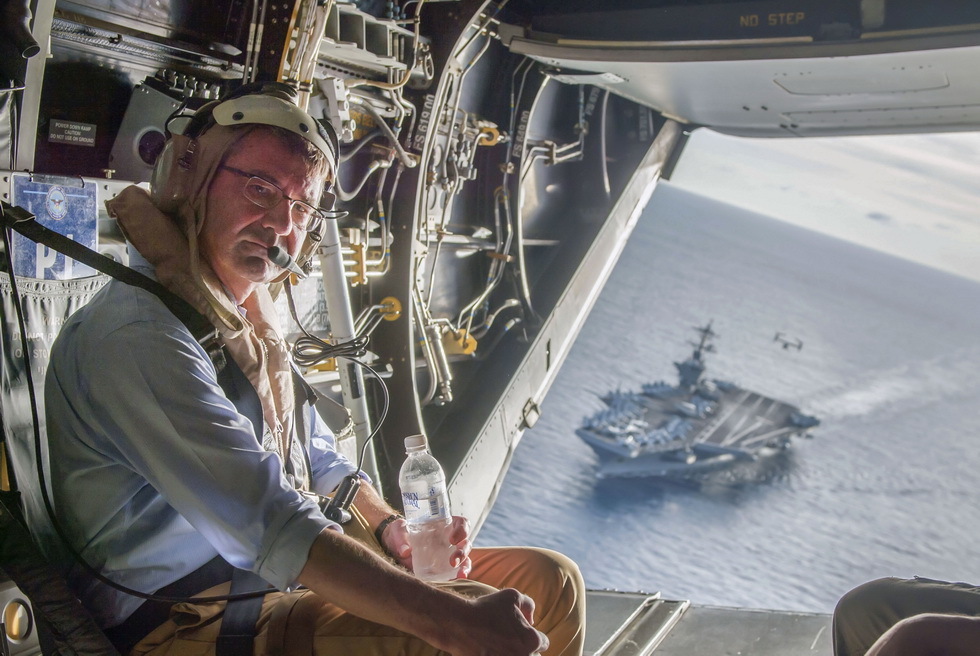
(271, 104)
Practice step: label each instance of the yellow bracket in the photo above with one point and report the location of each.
(391, 308)
(458, 343)
(489, 137)
(360, 265)
(326, 365)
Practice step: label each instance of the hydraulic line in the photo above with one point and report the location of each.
(479, 30)
(525, 288)
(497, 265)
(376, 165)
(408, 160)
(501, 200)
(359, 146)
(427, 354)
(492, 316)
(385, 236)
(602, 144)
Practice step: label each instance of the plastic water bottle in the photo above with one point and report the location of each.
(426, 503)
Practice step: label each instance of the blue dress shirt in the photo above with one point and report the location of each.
(153, 471)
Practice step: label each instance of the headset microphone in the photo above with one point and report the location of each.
(281, 259)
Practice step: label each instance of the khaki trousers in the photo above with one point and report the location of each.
(866, 612)
(302, 624)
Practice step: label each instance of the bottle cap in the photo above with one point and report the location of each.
(415, 443)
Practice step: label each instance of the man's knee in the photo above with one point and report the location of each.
(866, 597)
(548, 577)
(556, 570)
(554, 563)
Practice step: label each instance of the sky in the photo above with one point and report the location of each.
(913, 196)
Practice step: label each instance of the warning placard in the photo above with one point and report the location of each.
(71, 132)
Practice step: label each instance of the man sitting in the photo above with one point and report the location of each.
(166, 472)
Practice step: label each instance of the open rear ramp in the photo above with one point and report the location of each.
(638, 624)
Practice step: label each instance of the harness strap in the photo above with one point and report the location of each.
(200, 327)
(152, 614)
(237, 632)
(8, 482)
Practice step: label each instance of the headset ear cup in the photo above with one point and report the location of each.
(168, 184)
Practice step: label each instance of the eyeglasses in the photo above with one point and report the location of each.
(267, 195)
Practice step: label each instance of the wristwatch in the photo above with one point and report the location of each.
(380, 531)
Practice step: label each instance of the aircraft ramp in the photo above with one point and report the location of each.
(638, 624)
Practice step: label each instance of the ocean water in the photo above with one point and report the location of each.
(890, 364)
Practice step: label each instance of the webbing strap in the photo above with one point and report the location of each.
(238, 622)
(200, 327)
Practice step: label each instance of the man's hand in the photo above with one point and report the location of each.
(395, 541)
(500, 625)
(353, 577)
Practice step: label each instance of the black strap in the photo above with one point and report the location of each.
(152, 614)
(238, 622)
(240, 615)
(240, 391)
(5, 456)
(200, 327)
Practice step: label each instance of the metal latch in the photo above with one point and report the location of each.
(531, 413)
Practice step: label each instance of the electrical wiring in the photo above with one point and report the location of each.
(310, 350)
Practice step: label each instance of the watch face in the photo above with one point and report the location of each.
(56, 204)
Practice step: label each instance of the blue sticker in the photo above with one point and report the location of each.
(68, 209)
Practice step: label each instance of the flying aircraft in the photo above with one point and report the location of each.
(788, 342)
(497, 156)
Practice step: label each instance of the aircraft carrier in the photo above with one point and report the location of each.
(698, 425)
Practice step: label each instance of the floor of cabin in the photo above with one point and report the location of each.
(636, 624)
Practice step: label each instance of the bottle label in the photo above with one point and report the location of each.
(433, 504)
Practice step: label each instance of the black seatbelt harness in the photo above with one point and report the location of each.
(200, 327)
(238, 623)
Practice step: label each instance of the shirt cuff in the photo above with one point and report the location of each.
(287, 554)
